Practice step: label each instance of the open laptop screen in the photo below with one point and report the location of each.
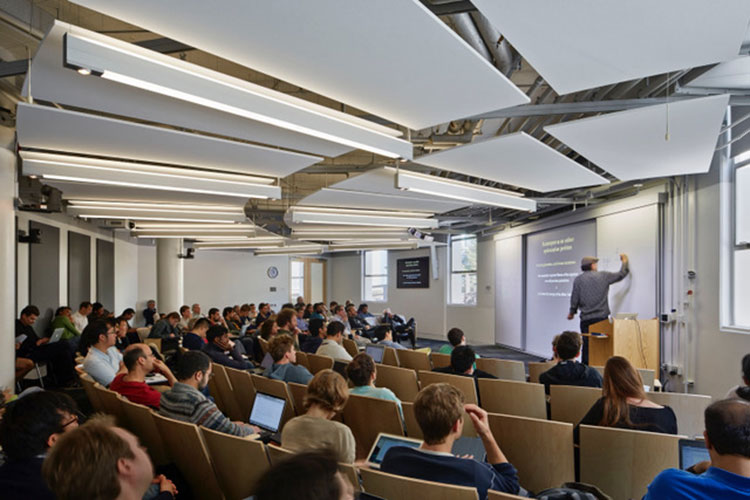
(692, 451)
(384, 443)
(375, 352)
(267, 412)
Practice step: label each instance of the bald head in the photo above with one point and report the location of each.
(728, 427)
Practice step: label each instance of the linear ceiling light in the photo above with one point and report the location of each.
(137, 67)
(372, 245)
(234, 244)
(447, 188)
(155, 212)
(145, 176)
(291, 250)
(314, 215)
(348, 235)
(167, 226)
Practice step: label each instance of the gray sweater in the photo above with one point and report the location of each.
(590, 292)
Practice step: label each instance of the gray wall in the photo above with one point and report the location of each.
(44, 273)
(105, 273)
(79, 268)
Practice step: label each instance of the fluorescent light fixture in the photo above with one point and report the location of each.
(146, 176)
(91, 209)
(241, 228)
(742, 157)
(307, 234)
(193, 231)
(328, 216)
(235, 244)
(448, 188)
(141, 68)
(373, 245)
(292, 250)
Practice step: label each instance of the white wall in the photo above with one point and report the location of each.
(509, 292)
(126, 272)
(146, 278)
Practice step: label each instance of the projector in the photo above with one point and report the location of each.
(420, 235)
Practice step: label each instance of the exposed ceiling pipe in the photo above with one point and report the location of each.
(498, 45)
(468, 31)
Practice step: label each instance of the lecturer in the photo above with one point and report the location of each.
(590, 295)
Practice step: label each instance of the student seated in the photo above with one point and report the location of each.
(195, 339)
(284, 358)
(39, 350)
(286, 321)
(185, 317)
(223, 351)
(331, 346)
(456, 338)
(317, 328)
(103, 361)
(299, 309)
(186, 402)
(316, 477)
(140, 361)
(388, 339)
(400, 328)
(362, 373)
(326, 396)
(63, 319)
(31, 426)
(439, 409)
(116, 466)
(462, 363)
(624, 403)
(727, 476)
(165, 328)
(742, 391)
(80, 318)
(568, 371)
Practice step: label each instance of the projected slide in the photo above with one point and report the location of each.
(553, 260)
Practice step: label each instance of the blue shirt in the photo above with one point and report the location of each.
(676, 484)
(289, 373)
(380, 393)
(302, 324)
(102, 366)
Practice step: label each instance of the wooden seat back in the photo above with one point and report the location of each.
(231, 407)
(569, 403)
(416, 360)
(297, 391)
(153, 342)
(318, 363)
(499, 495)
(467, 385)
(504, 369)
(440, 360)
(243, 389)
(278, 454)
(523, 399)
(302, 359)
(111, 403)
(395, 487)
(389, 357)
(141, 422)
(237, 478)
(263, 345)
(92, 394)
(688, 408)
(278, 389)
(367, 417)
(536, 369)
(351, 347)
(623, 462)
(541, 451)
(648, 376)
(402, 381)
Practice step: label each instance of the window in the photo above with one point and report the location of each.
(741, 250)
(375, 279)
(297, 285)
(464, 270)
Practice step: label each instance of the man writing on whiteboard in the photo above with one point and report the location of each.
(591, 294)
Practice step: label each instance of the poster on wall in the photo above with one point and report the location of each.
(413, 273)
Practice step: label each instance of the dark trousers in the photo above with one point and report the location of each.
(59, 358)
(585, 323)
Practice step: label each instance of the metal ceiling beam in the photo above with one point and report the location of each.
(450, 7)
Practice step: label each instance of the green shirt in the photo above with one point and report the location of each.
(65, 323)
(446, 349)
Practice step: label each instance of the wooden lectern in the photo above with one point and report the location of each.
(635, 340)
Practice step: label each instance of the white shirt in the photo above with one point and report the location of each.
(102, 366)
(333, 349)
(79, 320)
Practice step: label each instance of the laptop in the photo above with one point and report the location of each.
(375, 352)
(371, 320)
(267, 362)
(56, 335)
(385, 442)
(469, 446)
(266, 413)
(692, 451)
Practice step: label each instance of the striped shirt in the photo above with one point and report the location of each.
(188, 404)
(591, 290)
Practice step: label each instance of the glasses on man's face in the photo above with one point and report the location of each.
(73, 419)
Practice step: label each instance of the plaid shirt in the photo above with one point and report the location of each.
(188, 404)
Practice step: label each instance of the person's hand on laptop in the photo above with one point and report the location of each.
(42, 341)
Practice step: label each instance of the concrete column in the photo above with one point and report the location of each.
(7, 271)
(169, 275)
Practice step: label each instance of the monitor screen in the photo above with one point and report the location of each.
(385, 443)
(267, 412)
(375, 352)
(692, 451)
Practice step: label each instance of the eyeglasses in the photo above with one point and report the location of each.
(73, 419)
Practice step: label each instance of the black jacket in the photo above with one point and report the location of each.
(571, 373)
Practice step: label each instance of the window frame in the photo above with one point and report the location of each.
(363, 291)
(454, 272)
(292, 277)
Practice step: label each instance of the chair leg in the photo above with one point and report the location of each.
(39, 375)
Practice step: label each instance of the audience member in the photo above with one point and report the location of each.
(326, 395)
(39, 350)
(364, 312)
(300, 301)
(331, 346)
(186, 402)
(319, 311)
(195, 339)
(244, 315)
(462, 363)
(407, 329)
(165, 328)
(97, 312)
(362, 373)
(103, 361)
(281, 349)
(316, 477)
(223, 351)
(308, 311)
(63, 320)
(317, 328)
(742, 391)
(624, 403)
(268, 329)
(264, 313)
(339, 315)
(387, 339)
(456, 338)
(568, 371)
(195, 311)
(80, 318)
(129, 314)
(121, 330)
(101, 461)
(31, 426)
(185, 316)
(727, 438)
(301, 321)
(231, 319)
(287, 322)
(149, 314)
(439, 410)
(139, 362)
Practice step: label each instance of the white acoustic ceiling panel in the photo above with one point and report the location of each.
(649, 142)
(51, 81)
(344, 198)
(515, 159)
(581, 44)
(55, 129)
(734, 75)
(392, 58)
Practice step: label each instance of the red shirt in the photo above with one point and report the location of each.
(137, 392)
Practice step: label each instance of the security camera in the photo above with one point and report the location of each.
(32, 238)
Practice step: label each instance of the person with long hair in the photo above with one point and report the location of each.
(624, 403)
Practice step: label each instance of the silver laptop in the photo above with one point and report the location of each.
(692, 451)
(375, 352)
(385, 442)
(267, 412)
(56, 335)
(371, 320)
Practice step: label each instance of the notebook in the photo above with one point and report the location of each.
(385, 442)
(692, 451)
(375, 352)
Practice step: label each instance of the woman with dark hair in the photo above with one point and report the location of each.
(308, 311)
(624, 403)
(326, 396)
